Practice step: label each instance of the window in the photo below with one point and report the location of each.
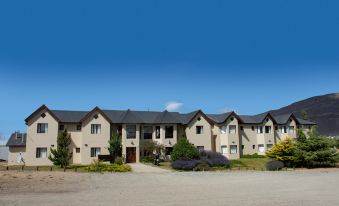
(200, 148)
(283, 129)
(95, 128)
(259, 130)
(232, 129)
(168, 132)
(168, 150)
(43, 115)
(253, 146)
(157, 132)
(261, 148)
(42, 128)
(252, 128)
(61, 127)
(242, 146)
(241, 128)
(148, 131)
(131, 131)
(223, 129)
(41, 152)
(268, 129)
(79, 127)
(269, 146)
(199, 129)
(291, 129)
(234, 149)
(95, 151)
(77, 150)
(224, 150)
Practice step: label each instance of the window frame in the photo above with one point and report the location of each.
(129, 135)
(172, 134)
(224, 147)
(234, 128)
(42, 130)
(148, 133)
(223, 129)
(269, 130)
(38, 152)
(260, 130)
(199, 129)
(94, 151)
(95, 128)
(236, 149)
(157, 132)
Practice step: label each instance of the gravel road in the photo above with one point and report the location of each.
(170, 188)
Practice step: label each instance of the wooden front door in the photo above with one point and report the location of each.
(130, 154)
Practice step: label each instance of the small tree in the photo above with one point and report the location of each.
(152, 146)
(282, 151)
(304, 114)
(115, 147)
(184, 150)
(61, 155)
(315, 151)
(301, 137)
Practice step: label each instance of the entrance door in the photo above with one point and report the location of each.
(130, 154)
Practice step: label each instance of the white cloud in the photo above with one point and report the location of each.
(173, 105)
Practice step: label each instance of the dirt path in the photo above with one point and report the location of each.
(170, 188)
(142, 168)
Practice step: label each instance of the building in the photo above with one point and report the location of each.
(17, 148)
(230, 134)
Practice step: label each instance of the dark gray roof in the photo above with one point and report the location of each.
(69, 116)
(219, 118)
(253, 119)
(165, 117)
(17, 140)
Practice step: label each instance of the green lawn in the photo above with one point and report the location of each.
(249, 163)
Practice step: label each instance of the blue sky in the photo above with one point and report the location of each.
(248, 56)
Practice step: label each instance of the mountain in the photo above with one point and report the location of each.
(324, 110)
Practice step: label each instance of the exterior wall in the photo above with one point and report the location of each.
(266, 138)
(14, 153)
(76, 137)
(281, 136)
(249, 139)
(227, 139)
(93, 140)
(131, 142)
(35, 140)
(204, 139)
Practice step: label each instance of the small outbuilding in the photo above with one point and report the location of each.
(17, 148)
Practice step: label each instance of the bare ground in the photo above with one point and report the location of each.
(311, 187)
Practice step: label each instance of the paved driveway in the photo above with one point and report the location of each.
(142, 168)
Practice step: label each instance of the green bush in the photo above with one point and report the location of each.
(184, 150)
(147, 159)
(274, 165)
(119, 161)
(202, 167)
(283, 151)
(99, 166)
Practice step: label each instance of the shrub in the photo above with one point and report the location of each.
(202, 167)
(184, 150)
(115, 147)
(274, 165)
(185, 164)
(99, 166)
(283, 151)
(119, 161)
(214, 159)
(147, 159)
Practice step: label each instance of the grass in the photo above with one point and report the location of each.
(249, 163)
